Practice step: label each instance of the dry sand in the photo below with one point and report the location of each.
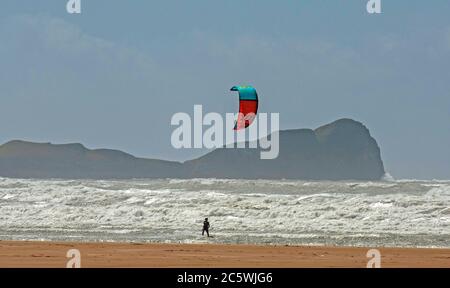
(53, 254)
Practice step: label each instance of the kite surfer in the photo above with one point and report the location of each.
(205, 227)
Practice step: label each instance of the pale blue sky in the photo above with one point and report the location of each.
(113, 76)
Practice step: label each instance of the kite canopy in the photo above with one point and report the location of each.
(248, 106)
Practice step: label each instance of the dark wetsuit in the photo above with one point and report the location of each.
(205, 228)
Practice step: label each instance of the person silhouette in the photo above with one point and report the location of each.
(205, 227)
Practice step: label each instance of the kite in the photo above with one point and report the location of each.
(248, 106)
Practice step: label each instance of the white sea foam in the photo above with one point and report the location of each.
(399, 213)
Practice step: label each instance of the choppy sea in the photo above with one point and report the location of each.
(404, 213)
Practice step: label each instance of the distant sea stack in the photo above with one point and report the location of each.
(342, 150)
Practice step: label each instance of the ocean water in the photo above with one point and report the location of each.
(396, 213)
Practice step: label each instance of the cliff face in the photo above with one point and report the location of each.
(348, 150)
(341, 150)
(338, 151)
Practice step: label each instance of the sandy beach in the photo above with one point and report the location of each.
(53, 254)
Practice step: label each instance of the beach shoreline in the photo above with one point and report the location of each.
(43, 254)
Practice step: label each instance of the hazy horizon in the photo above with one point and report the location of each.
(113, 76)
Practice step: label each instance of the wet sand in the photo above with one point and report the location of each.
(53, 254)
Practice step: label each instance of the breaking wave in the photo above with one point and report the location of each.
(393, 213)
